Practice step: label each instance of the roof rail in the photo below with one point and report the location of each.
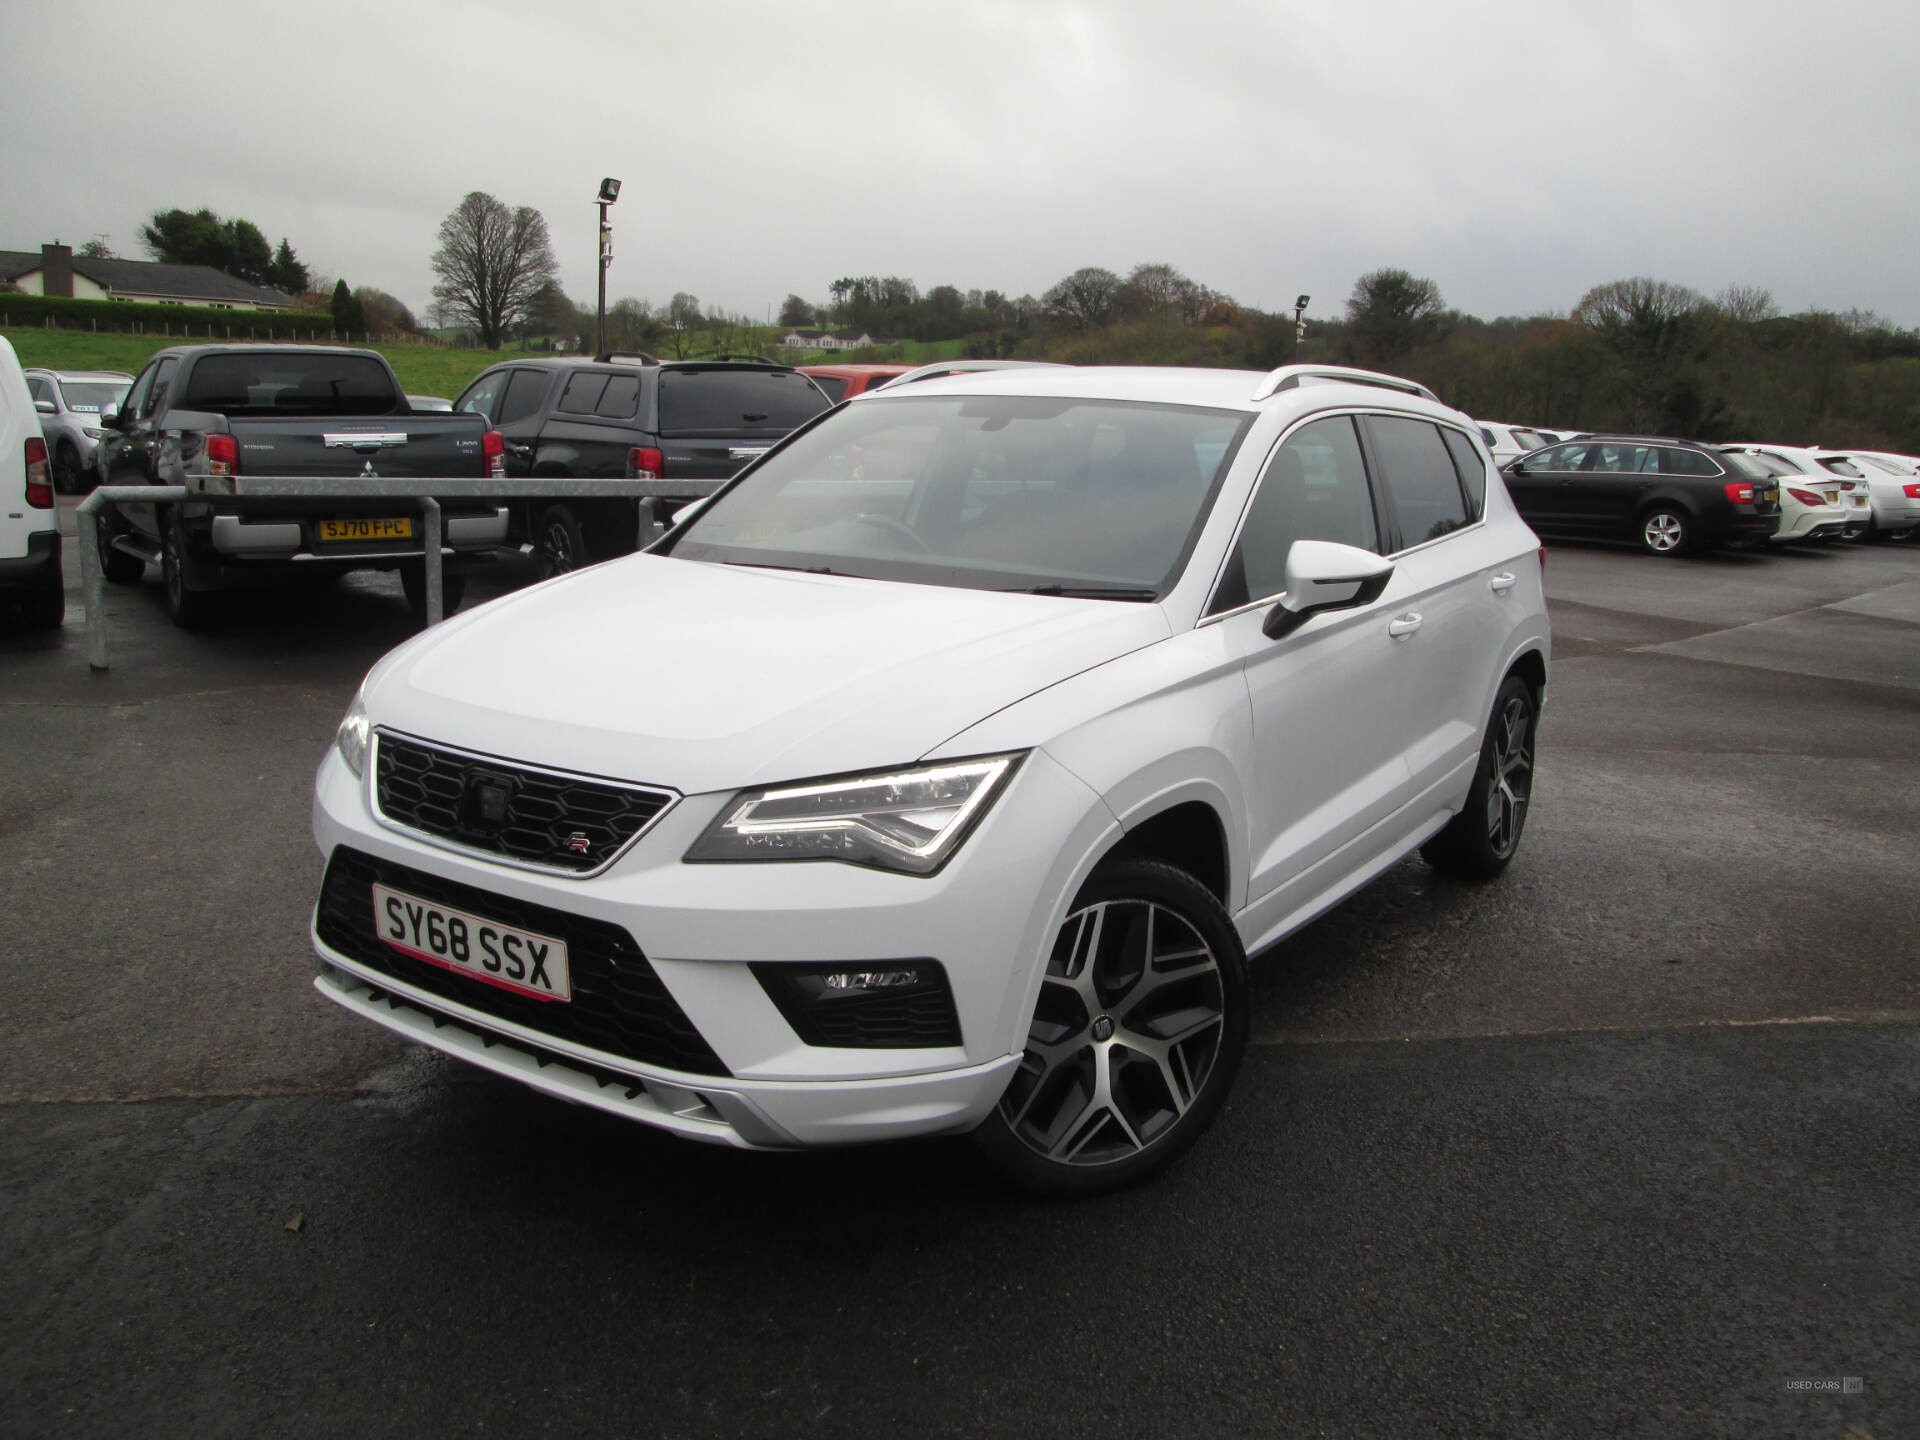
(1288, 377)
(612, 355)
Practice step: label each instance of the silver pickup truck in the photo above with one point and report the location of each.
(200, 415)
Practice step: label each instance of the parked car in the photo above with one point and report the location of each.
(70, 404)
(1815, 504)
(29, 532)
(1670, 496)
(843, 382)
(1510, 442)
(1893, 496)
(200, 415)
(634, 417)
(953, 797)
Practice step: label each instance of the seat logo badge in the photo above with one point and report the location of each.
(578, 843)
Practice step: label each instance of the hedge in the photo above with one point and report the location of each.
(186, 321)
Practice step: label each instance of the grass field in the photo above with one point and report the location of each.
(423, 369)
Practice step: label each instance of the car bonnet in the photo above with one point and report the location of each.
(708, 677)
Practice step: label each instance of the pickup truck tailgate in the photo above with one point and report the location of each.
(395, 445)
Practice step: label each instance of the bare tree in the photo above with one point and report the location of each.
(492, 263)
(1746, 303)
(1086, 299)
(1390, 314)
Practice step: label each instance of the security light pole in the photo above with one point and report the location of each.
(609, 192)
(1299, 324)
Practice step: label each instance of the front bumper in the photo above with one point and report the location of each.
(988, 917)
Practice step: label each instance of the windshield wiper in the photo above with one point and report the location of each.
(765, 565)
(1089, 592)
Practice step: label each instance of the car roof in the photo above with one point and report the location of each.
(75, 374)
(1285, 388)
(850, 370)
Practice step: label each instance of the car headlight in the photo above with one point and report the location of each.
(351, 738)
(91, 433)
(905, 820)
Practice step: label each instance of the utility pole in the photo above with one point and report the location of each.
(609, 192)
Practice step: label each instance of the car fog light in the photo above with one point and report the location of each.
(874, 1005)
(351, 738)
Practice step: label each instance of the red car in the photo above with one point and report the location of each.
(843, 382)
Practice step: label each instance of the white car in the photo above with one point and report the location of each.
(1510, 442)
(950, 796)
(1815, 504)
(29, 532)
(1893, 488)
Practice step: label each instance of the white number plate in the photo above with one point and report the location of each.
(516, 960)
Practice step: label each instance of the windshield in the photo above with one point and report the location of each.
(1076, 497)
(93, 394)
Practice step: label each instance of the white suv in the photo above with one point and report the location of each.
(940, 774)
(29, 531)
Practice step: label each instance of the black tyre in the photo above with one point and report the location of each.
(68, 477)
(559, 543)
(1478, 842)
(413, 581)
(116, 564)
(1137, 1035)
(187, 607)
(1666, 531)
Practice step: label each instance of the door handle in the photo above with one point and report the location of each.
(1405, 624)
(1501, 583)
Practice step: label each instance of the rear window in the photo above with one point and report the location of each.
(1746, 465)
(1845, 467)
(283, 384)
(736, 402)
(834, 385)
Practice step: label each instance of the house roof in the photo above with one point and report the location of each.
(152, 277)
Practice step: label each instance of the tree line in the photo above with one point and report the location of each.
(1637, 355)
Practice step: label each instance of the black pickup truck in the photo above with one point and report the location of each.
(199, 415)
(628, 416)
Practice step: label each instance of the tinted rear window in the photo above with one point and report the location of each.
(283, 384)
(736, 402)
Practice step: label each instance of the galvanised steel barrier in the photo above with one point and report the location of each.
(425, 493)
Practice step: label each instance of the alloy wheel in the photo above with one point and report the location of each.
(556, 548)
(1512, 777)
(1664, 531)
(1127, 1029)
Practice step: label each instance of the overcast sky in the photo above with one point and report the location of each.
(1516, 152)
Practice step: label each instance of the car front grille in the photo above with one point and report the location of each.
(619, 1005)
(573, 824)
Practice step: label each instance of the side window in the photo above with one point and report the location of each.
(156, 400)
(834, 385)
(526, 393)
(1418, 473)
(483, 396)
(40, 389)
(1314, 488)
(1561, 457)
(1675, 461)
(621, 399)
(1473, 470)
(137, 397)
(583, 392)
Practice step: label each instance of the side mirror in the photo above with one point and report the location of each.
(46, 407)
(113, 419)
(1324, 576)
(1515, 467)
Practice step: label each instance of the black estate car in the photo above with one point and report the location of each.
(1671, 496)
(627, 415)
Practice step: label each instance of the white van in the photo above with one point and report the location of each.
(29, 532)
